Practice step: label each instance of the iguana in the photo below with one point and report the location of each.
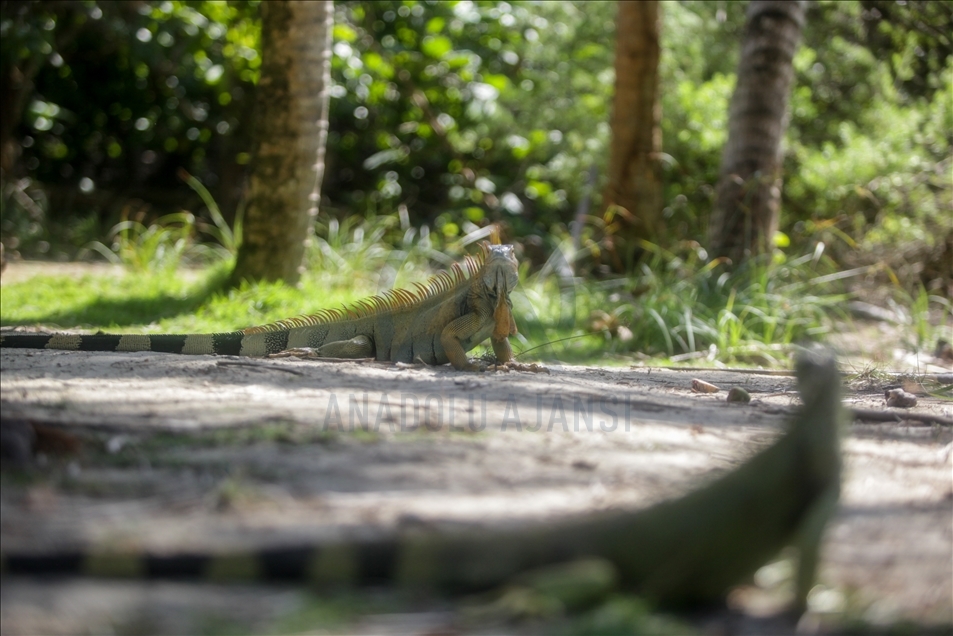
(687, 550)
(436, 323)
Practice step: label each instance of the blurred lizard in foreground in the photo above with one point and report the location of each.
(684, 551)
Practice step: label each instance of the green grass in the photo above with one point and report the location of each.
(124, 302)
(678, 307)
(164, 303)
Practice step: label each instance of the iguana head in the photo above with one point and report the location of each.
(823, 416)
(817, 375)
(500, 274)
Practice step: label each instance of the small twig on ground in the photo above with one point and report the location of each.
(939, 378)
(873, 415)
(256, 365)
(782, 372)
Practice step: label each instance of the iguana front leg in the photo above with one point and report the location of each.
(460, 329)
(469, 325)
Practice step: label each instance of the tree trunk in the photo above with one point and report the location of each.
(635, 180)
(291, 127)
(748, 196)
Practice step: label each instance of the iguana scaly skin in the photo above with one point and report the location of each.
(435, 324)
(687, 550)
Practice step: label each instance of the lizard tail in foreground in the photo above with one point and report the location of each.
(687, 550)
(437, 323)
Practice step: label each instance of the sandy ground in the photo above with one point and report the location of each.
(205, 452)
(196, 452)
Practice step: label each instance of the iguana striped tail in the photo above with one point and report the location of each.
(228, 343)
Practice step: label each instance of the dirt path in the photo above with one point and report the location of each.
(178, 452)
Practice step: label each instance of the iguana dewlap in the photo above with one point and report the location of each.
(437, 323)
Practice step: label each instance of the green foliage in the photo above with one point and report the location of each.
(681, 306)
(229, 238)
(455, 114)
(914, 39)
(700, 45)
(867, 159)
(23, 212)
(123, 94)
(929, 318)
(700, 39)
(170, 241)
(158, 246)
(868, 166)
(469, 110)
(215, 50)
(891, 155)
(462, 111)
(693, 135)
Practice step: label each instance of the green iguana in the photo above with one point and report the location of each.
(687, 550)
(437, 323)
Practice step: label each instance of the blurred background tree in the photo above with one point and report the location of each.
(634, 191)
(455, 114)
(748, 194)
(288, 140)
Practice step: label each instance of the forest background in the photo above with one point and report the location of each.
(130, 139)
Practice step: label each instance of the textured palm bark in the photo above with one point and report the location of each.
(748, 196)
(635, 181)
(289, 140)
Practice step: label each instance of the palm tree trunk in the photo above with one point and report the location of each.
(289, 139)
(748, 195)
(635, 180)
